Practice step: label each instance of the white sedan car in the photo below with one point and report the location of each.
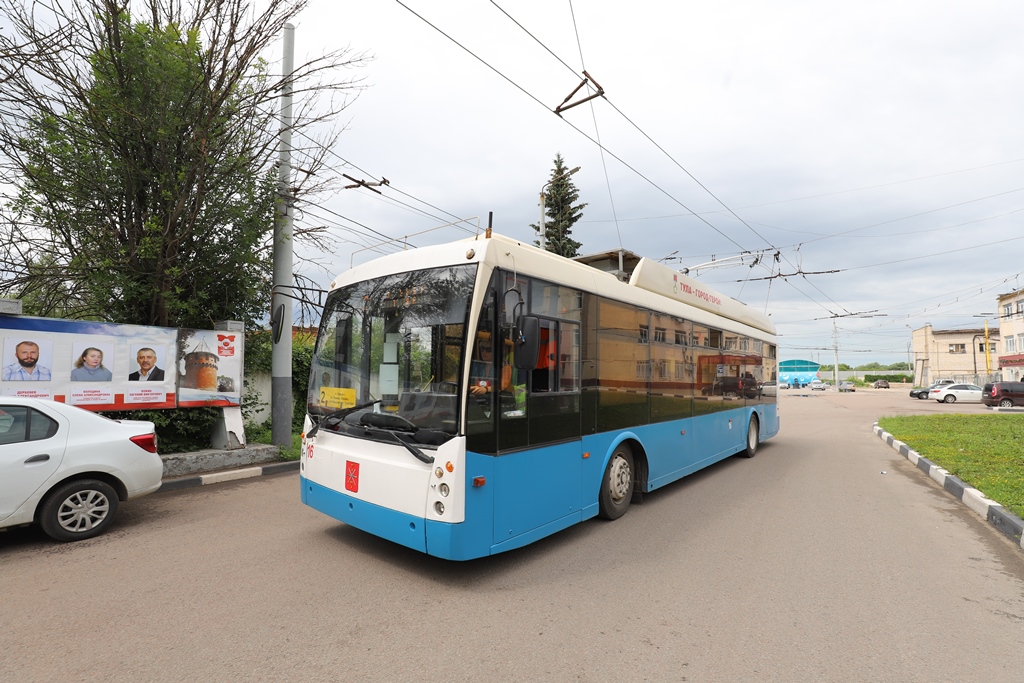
(951, 393)
(67, 468)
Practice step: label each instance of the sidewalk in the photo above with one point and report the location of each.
(211, 466)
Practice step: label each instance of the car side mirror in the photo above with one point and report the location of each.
(526, 342)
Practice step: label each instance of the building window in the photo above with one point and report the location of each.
(645, 334)
(680, 338)
(958, 348)
(1020, 343)
(1008, 343)
(660, 369)
(1020, 309)
(682, 369)
(643, 369)
(1007, 310)
(659, 335)
(991, 347)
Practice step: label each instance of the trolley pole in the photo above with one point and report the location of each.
(281, 405)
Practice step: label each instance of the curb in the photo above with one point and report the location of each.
(1009, 524)
(226, 475)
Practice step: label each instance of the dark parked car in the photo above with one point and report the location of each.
(732, 387)
(1003, 394)
(881, 384)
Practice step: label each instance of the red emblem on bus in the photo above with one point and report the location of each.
(352, 476)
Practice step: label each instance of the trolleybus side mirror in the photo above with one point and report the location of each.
(526, 342)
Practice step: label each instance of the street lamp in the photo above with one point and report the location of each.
(544, 187)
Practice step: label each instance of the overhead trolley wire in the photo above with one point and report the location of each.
(395, 189)
(642, 132)
(569, 123)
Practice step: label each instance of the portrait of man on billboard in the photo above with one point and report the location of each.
(147, 359)
(26, 366)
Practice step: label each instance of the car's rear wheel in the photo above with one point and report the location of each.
(617, 485)
(78, 510)
(1006, 403)
(922, 396)
(950, 398)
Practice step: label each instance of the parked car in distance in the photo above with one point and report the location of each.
(783, 384)
(847, 386)
(770, 388)
(881, 384)
(951, 393)
(817, 385)
(923, 392)
(67, 468)
(1003, 394)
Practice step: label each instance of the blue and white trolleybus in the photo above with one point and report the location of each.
(470, 398)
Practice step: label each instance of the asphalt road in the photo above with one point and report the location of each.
(828, 557)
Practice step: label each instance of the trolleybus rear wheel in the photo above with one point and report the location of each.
(617, 485)
(753, 438)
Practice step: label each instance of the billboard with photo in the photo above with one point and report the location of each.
(209, 368)
(107, 366)
(89, 364)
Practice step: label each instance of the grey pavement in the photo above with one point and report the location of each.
(1009, 524)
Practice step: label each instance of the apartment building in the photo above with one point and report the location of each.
(968, 355)
(1011, 332)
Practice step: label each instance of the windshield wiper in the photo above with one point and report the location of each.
(417, 453)
(338, 414)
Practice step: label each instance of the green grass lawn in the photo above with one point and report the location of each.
(985, 451)
(264, 435)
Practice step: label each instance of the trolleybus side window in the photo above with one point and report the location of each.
(535, 406)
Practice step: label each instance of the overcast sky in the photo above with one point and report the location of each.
(880, 140)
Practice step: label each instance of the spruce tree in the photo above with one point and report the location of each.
(561, 211)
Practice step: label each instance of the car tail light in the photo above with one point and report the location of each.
(146, 442)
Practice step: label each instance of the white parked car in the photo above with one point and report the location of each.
(817, 385)
(951, 393)
(783, 384)
(67, 468)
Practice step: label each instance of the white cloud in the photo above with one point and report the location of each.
(807, 119)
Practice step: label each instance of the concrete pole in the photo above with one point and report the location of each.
(835, 351)
(281, 406)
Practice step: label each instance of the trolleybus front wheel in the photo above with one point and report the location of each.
(617, 485)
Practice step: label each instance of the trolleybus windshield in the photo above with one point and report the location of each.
(397, 344)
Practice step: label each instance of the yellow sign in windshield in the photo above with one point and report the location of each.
(331, 397)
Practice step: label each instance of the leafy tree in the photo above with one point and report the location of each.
(843, 367)
(561, 211)
(142, 153)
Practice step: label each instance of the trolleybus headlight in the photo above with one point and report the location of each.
(438, 473)
(443, 488)
(439, 507)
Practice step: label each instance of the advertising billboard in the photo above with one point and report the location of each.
(107, 366)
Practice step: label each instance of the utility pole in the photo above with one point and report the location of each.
(988, 356)
(281, 404)
(835, 352)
